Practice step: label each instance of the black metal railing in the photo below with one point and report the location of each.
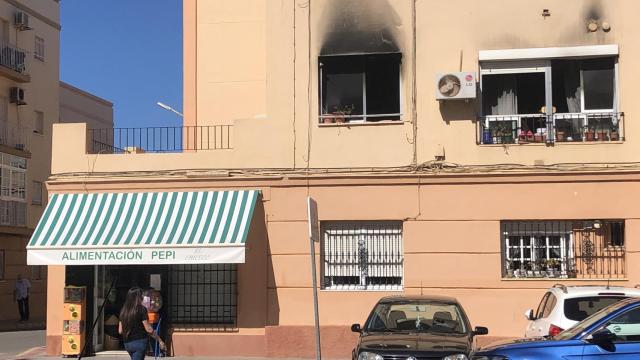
(560, 127)
(362, 255)
(203, 297)
(563, 249)
(159, 139)
(13, 57)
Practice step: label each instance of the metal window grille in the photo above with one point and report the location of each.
(1, 264)
(39, 48)
(362, 255)
(203, 297)
(563, 249)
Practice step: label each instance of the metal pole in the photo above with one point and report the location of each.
(315, 297)
(95, 322)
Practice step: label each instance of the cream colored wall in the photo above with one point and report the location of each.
(251, 63)
(78, 106)
(41, 94)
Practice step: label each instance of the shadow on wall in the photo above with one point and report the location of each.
(350, 28)
(453, 110)
(256, 303)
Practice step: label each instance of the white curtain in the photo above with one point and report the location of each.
(505, 99)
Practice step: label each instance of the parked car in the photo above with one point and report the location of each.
(612, 333)
(416, 327)
(564, 306)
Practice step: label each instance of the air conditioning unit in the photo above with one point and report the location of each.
(456, 86)
(21, 21)
(16, 96)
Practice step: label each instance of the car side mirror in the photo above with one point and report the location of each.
(602, 337)
(529, 315)
(356, 328)
(480, 330)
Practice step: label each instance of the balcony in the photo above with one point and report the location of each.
(557, 128)
(13, 63)
(159, 139)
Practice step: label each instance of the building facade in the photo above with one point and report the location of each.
(77, 105)
(522, 175)
(29, 72)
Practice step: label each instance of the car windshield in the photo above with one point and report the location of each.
(578, 309)
(417, 316)
(586, 323)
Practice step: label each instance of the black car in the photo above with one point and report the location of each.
(416, 327)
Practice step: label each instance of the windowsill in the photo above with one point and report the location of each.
(366, 123)
(38, 133)
(564, 279)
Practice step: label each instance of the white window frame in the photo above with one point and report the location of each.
(615, 93)
(358, 233)
(363, 118)
(565, 238)
(39, 47)
(11, 170)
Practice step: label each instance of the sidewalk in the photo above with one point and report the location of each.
(15, 325)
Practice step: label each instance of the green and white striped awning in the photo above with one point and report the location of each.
(143, 228)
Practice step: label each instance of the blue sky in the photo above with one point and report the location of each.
(128, 52)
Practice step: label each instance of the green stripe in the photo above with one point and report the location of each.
(99, 211)
(198, 219)
(249, 217)
(145, 221)
(236, 229)
(56, 216)
(208, 217)
(180, 214)
(128, 215)
(216, 224)
(167, 219)
(43, 221)
(112, 205)
(65, 220)
(90, 209)
(74, 223)
(227, 224)
(118, 216)
(156, 222)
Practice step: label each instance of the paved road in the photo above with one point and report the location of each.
(13, 343)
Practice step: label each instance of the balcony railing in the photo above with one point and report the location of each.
(13, 58)
(159, 139)
(561, 127)
(564, 249)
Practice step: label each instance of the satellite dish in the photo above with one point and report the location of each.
(449, 85)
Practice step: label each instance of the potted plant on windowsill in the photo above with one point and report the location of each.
(590, 134)
(341, 112)
(602, 135)
(614, 136)
(510, 268)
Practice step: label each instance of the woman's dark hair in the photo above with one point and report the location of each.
(129, 310)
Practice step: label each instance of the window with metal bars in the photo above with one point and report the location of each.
(362, 255)
(203, 296)
(563, 249)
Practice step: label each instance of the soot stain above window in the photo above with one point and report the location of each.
(351, 28)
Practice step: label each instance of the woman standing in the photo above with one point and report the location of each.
(134, 326)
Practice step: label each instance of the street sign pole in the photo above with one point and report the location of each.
(312, 209)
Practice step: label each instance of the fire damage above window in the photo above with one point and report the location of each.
(359, 88)
(571, 99)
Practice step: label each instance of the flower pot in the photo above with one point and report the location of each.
(614, 136)
(590, 135)
(538, 138)
(510, 273)
(560, 136)
(328, 119)
(339, 118)
(602, 135)
(529, 135)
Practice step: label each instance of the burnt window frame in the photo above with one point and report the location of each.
(364, 117)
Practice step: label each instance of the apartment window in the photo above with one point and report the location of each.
(563, 249)
(581, 94)
(36, 197)
(203, 296)
(359, 88)
(38, 124)
(38, 272)
(362, 255)
(39, 48)
(12, 190)
(2, 266)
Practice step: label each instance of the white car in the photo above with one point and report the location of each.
(564, 306)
